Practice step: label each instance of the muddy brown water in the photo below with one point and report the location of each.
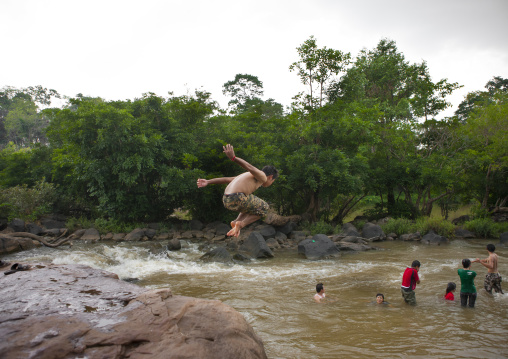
(275, 296)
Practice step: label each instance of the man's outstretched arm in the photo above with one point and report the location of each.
(257, 173)
(221, 180)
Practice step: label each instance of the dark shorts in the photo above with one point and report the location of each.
(493, 281)
(251, 204)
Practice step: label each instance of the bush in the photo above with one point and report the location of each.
(27, 203)
(483, 227)
(440, 226)
(321, 228)
(398, 226)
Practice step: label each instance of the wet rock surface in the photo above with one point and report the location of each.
(70, 311)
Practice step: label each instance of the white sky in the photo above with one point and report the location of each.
(122, 49)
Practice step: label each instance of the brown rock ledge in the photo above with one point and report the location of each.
(75, 311)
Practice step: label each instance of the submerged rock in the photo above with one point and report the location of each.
(71, 311)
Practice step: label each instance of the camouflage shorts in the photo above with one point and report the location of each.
(242, 203)
(493, 281)
(409, 297)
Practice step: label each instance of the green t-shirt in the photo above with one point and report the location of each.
(467, 280)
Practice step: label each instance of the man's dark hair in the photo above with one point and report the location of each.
(319, 287)
(379, 294)
(466, 263)
(415, 264)
(491, 248)
(270, 170)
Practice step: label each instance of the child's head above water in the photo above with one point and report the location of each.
(450, 287)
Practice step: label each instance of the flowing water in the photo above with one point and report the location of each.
(275, 297)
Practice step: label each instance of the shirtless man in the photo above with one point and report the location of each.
(492, 279)
(238, 194)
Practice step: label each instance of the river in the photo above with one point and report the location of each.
(275, 296)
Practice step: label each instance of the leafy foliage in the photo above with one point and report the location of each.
(27, 203)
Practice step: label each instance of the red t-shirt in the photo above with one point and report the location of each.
(406, 278)
(449, 296)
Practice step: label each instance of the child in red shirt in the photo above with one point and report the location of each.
(450, 288)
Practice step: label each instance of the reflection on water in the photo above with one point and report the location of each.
(275, 297)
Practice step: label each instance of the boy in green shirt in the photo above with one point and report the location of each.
(467, 288)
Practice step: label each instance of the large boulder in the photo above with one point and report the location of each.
(287, 228)
(50, 223)
(74, 311)
(318, 247)
(136, 235)
(433, 238)
(17, 225)
(15, 244)
(372, 231)
(255, 246)
(349, 230)
(219, 254)
(267, 231)
(503, 238)
(174, 244)
(34, 229)
(91, 235)
(463, 233)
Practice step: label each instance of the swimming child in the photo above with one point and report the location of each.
(380, 299)
(450, 288)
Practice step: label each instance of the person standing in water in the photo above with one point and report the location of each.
(492, 279)
(467, 288)
(410, 279)
(238, 194)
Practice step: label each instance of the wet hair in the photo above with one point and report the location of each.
(319, 287)
(379, 294)
(451, 286)
(466, 263)
(270, 170)
(415, 264)
(491, 248)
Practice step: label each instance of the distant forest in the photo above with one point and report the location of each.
(363, 134)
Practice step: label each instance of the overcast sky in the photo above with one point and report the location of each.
(119, 50)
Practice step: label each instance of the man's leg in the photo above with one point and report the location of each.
(496, 283)
(463, 299)
(472, 299)
(488, 283)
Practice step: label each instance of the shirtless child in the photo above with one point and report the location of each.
(238, 194)
(492, 279)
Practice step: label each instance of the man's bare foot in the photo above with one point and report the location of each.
(235, 232)
(233, 223)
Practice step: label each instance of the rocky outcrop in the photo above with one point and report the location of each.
(433, 238)
(255, 246)
(372, 232)
(318, 247)
(219, 254)
(74, 311)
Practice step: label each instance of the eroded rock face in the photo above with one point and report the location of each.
(70, 311)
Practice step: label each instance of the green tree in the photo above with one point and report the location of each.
(316, 68)
(242, 89)
(404, 94)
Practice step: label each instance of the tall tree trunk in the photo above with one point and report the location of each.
(487, 189)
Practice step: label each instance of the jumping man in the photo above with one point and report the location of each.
(238, 194)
